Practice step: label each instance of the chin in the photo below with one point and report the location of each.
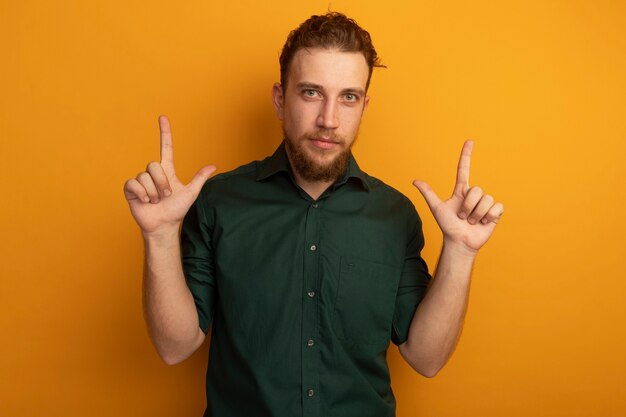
(317, 165)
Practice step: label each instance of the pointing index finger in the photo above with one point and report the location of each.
(463, 169)
(167, 150)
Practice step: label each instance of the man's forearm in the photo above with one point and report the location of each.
(168, 304)
(438, 320)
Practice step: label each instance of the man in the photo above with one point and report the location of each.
(305, 266)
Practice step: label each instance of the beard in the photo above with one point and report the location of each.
(311, 170)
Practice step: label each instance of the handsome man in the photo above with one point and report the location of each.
(305, 266)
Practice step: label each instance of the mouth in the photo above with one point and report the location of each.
(324, 143)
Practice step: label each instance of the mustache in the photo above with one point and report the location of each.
(326, 135)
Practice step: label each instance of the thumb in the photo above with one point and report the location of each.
(196, 183)
(429, 195)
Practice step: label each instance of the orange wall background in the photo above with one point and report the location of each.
(539, 85)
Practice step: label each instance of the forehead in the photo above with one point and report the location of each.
(328, 67)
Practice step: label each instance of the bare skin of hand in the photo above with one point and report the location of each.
(469, 216)
(158, 200)
(467, 220)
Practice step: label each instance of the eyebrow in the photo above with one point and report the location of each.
(313, 86)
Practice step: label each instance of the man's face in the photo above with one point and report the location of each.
(321, 110)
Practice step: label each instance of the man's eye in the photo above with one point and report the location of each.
(351, 97)
(310, 93)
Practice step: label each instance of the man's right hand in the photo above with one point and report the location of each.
(158, 200)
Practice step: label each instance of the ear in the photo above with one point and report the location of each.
(278, 100)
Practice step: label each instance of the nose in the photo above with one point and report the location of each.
(328, 115)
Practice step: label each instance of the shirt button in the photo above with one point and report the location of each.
(311, 342)
(310, 393)
(313, 247)
(311, 294)
(315, 205)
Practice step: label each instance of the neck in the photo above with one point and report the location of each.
(313, 188)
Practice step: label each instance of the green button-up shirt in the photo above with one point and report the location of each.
(303, 296)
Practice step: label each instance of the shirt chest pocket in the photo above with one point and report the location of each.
(366, 295)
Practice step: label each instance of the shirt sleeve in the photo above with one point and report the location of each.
(197, 259)
(413, 281)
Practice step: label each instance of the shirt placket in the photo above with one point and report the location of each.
(310, 324)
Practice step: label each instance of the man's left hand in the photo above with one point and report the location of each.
(469, 216)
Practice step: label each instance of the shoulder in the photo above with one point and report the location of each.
(244, 174)
(226, 183)
(392, 201)
(242, 185)
(382, 190)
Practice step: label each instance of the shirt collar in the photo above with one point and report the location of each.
(279, 162)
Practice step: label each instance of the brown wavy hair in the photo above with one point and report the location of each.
(332, 30)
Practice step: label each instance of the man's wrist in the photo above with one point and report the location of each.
(458, 249)
(164, 236)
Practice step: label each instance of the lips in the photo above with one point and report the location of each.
(324, 143)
